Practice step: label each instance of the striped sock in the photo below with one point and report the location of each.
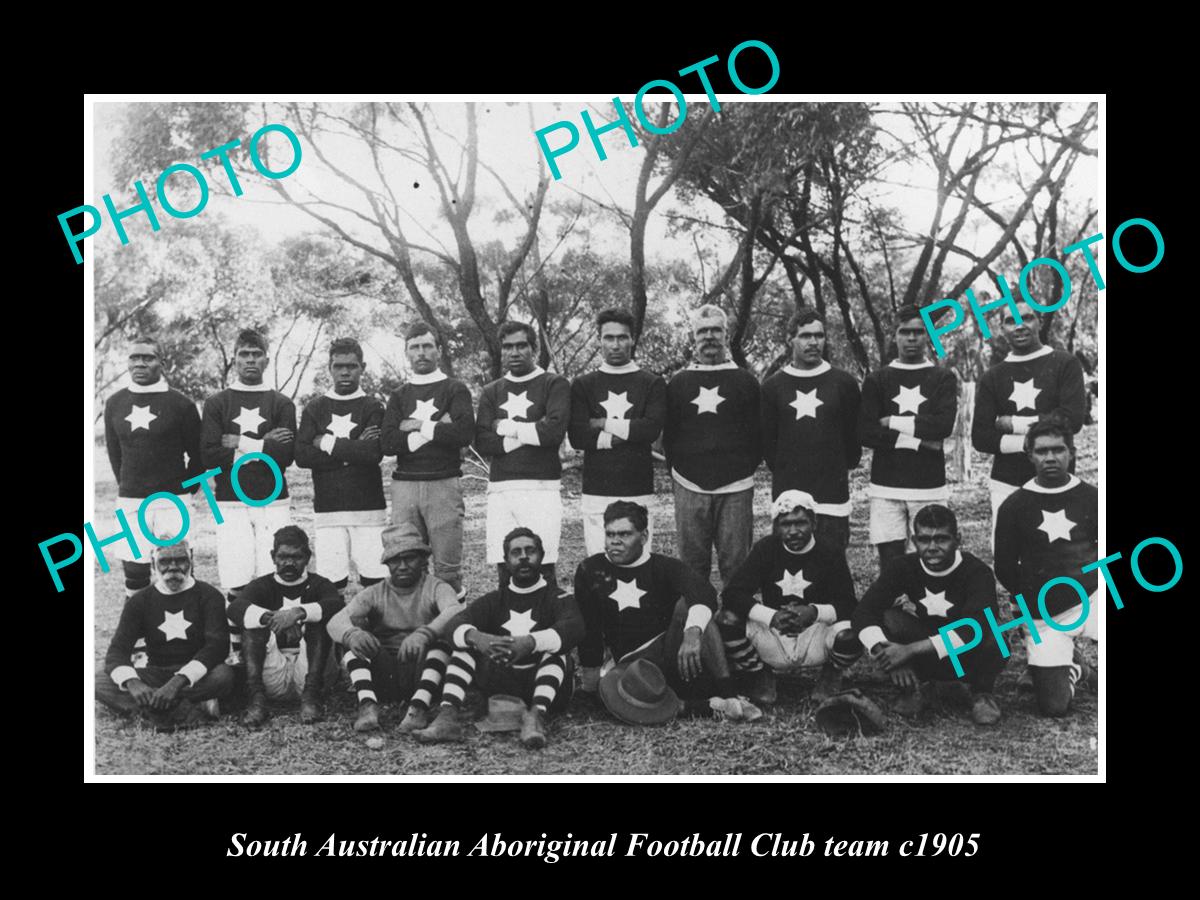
(1074, 673)
(742, 656)
(235, 631)
(360, 676)
(460, 670)
(846, 650)
(431, 678)
(549, 678)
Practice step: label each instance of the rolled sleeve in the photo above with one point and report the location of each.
(506, 428)
(604, 441)
(511, 444)
(870, 636)
(327, 442)
(427, 429)
(122, 674)
(762, 614)
(526, 433)
(903, 424)
(312, 612)
(250, 445)
(940, 646)
(618, 427)
(253, 617)
(416, 441)
(193, 671)
(460, 636)
(1012, 443)
(1022, 424)
(907, 442)
(698, 617)
(546, 641)
(826, 613)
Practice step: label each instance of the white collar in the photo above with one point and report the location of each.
(924, 364)
(518, 379)
(158, 387)
(354, 395)
(808, 373)
(188, 584)
(1036, 354)
(812, 542)
(536, 586)
(238, 386)
(429, 378)
(641, 560)
(1032, 485)
(954, 565)
(299, 580)
(701, 367)
(630, 366)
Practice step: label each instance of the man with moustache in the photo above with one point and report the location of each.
(428, 422)
(711, 440)
(617, 412)
(182, 622)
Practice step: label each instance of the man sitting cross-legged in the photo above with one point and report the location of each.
(388, 631)
(942, 584)
(515, 640)
(284, 642)
(802, 615)
(183, 624)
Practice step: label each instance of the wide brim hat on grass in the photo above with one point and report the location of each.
(504, 714)
(637, 693)
(849, 713)
(402, 538)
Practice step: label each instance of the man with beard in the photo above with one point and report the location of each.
(387, 633)
(516, 640)
(711, 440)
(941, 584)
(428, 422)
(182, 622)
(617, 412)
(282, 618)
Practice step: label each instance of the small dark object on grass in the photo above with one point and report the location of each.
(850, 713)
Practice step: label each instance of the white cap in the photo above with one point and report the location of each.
(790, 500)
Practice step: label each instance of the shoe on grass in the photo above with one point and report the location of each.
(368, 716)
(761, 688)
(985, 710)
(446, 728)
(533, 728)
(415, 719)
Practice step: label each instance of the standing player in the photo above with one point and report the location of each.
(1032, 383)
(908, 409)
(810, 429)
(248, 417)
(428, 422)
(617, 412)
(339, 441)
(711, 439)
(1047, 529)
(522, 419)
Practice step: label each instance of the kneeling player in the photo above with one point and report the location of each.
(805, 598)
(940, 583)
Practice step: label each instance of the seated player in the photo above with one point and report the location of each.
(1047, 529)
(182, 622)
(643, 605)
(516, 640)
(284, 642)
(941, 583)
(387, 633)
(801, 617)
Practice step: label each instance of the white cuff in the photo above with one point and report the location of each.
(250, 445)
(526, 433)
(698, 616)
(826, 614)
(907, 442)
(460, 636)
(940, 646)
(253, 617)
(122, 674)
(312, 612)
(506, 428)
(193, 671)
(870, 636)
(427, 429)
(762, 614)
(327, 442)
(619, 427)
(1012, 443)
(903, 424)
(1022, 424)
(416, 441)
(604, 441)
(511, 444)
(547, 640)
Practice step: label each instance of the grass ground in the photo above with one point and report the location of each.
(585, 740)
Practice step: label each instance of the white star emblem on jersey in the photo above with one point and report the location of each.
(708, 400)
(793, 585)
(1024, 394)
(248, 420)
(289, 602)
(341, 426)
(140, 417)
(935, 603)
(1056, 525)
(628, 595)
(519, 624)
(909, 399)
(806, 404)
(617, 405)
(174, 626)
(517, 405)
(426, 411)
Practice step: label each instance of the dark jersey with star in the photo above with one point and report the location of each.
(514, 613)
(711, 436)
(638, 398)
(1039, 385)
(1045, 533)
(347, 477)
(147, 435)
(269, 593)
(780, 577)
(544, 400)
(937, 598)
(926, 399)
(440, 457)
(810, 432)
(626, 607)
(177, 628)
(251, 414)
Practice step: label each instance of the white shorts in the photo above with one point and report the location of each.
(338, 544)
(789, 652)
(162, 518)
(593, 520)
(1000, 491)
(891, 520)
(284, 671)
(1057, 648)
(539, 510)
(245, 539)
